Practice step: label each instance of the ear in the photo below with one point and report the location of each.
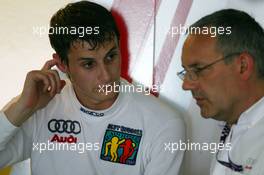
(60, 65)
(246, 65)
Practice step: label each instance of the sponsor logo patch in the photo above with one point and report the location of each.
(121, 144)
(65, 130)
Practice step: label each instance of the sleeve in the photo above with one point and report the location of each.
(15, 142)
(165, 156)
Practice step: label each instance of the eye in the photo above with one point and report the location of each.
(111, 57)
(89, 64)
(197, 70)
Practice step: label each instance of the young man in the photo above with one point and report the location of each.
(75, 127)
(225, 75)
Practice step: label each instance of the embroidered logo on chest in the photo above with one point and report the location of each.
(64, 130)
(121, 144)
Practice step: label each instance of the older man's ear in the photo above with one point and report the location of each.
(245, 65)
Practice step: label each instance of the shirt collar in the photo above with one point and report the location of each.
(253, 114)
(97, 113)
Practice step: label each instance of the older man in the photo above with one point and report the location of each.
(223, 63)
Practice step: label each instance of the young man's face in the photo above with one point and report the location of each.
(215, 91)
(89, 70)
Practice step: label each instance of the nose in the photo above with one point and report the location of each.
(189, 85)
(104, 74)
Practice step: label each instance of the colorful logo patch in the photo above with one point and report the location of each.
(121, 144)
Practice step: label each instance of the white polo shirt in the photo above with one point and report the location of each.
(246, 138)
(128, 138)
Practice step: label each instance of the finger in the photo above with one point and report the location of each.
(49, 64)
(44, 79)
(57, 79)
(53, 84)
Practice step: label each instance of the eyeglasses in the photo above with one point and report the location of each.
(230, 164)
(193, 74)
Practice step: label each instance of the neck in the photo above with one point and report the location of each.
(95, 104)
(250, 97)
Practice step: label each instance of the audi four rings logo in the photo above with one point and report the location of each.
(61, 126)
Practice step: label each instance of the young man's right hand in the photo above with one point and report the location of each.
(39, 88)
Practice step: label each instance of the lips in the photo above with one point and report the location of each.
(199, 100)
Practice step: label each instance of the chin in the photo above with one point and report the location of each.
(206, 116)
(210, 115)
(206, 113)
(109, 96)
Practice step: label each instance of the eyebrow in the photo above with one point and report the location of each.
(191, 65)
(91, 58)
(194, 65)
(111, 50)
(86, 59)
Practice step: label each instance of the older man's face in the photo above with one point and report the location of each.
(215, 89)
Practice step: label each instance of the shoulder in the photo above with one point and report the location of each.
(156, 114)
(152, 105)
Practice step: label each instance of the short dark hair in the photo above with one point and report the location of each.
(246, 34)
(81, 15)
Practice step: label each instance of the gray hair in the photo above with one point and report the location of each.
(246, 35)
